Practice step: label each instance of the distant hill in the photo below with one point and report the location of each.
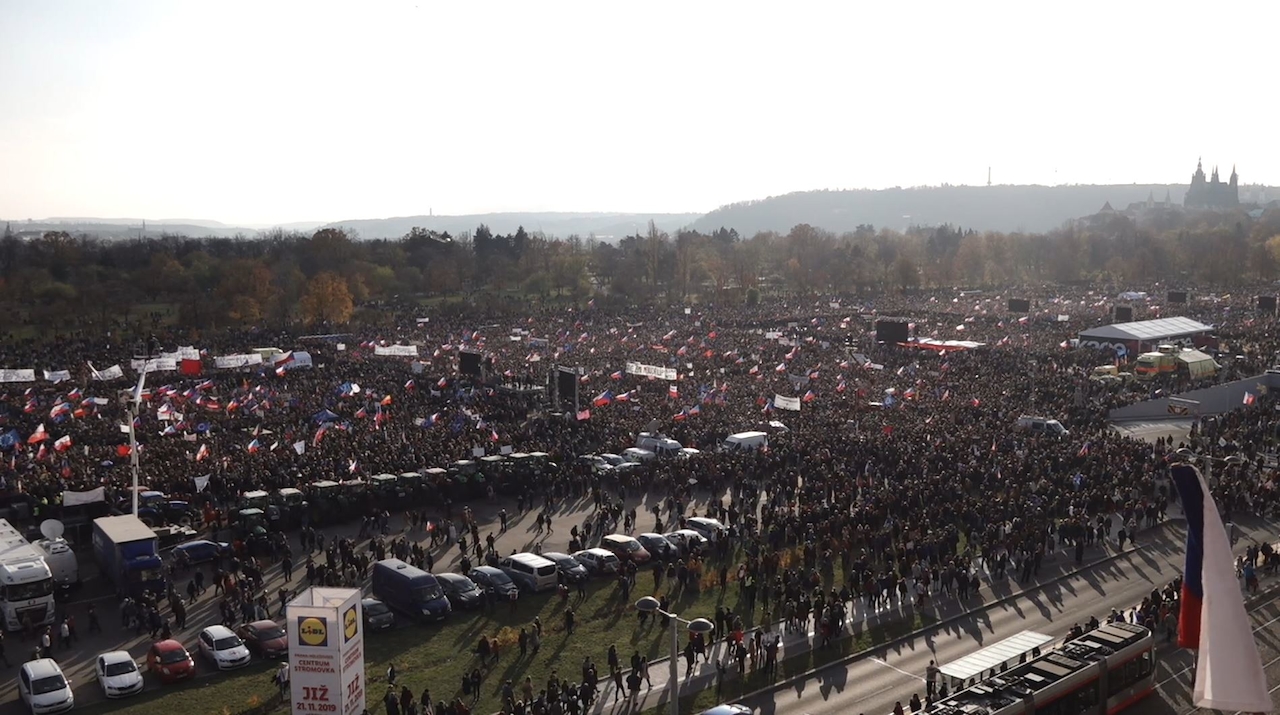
(604, 226)
(995, 208)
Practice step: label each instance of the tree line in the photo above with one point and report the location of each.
(331, 278)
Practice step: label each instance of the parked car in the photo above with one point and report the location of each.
(118, 674)
(598, 561)
(625, 548)
(44, 688)
(265, 638)
(170, 661)
(494, 582)
(709, 528)
(613, 460)
(202, 550)
(377, 616)
(658, 546)
(223, 648)
(686, 539)
(569, 568)
(461, 591)
(728, 710)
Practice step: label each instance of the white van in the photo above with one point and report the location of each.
(658, 444)
(530, 572)
(61, 561)
(745, 440)
(637, 455)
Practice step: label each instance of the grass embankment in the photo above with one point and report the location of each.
(437, 656)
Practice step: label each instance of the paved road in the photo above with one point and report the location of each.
(1150, 430)
(872, 685)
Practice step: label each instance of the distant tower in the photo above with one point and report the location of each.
(1212, 193)
(988, 176)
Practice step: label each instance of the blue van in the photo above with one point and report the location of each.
(410, 590)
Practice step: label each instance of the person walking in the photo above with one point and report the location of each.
(931, 680)
(282, 679)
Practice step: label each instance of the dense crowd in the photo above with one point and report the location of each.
(903, 466)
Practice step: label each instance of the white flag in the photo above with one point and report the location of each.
(786, 403)
(1229, 674)
(115, 372)
(202, 483)
(70, 498)
(300, 446)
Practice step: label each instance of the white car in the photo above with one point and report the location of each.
(612, 459)
(709, 528)
(223, 648)
(118, 674)
(44, 689)
(598, 561)
(686, 539)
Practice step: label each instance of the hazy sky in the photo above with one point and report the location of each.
(262, 112)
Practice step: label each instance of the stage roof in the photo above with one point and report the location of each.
(1146, 330)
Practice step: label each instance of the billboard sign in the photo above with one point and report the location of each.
(326, 652)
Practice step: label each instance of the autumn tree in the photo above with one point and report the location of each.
(327, 299)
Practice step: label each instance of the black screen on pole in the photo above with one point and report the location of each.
(1019, 305)
(1122, 314)
(1266, 304)
(1177, 296)
(469, 363)
(891, 331)
(567, 385)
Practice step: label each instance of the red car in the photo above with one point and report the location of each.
(625, 548)
(266, 638)
(170, 661)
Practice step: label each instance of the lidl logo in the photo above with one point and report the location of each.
(350, 625)
(313, 631)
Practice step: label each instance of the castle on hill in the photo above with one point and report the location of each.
(1212, 193)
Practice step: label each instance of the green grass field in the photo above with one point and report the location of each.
(437, 656)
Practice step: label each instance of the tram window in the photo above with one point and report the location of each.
(1128, 674)
(1087, 699)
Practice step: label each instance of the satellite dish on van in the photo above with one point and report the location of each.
(52, 529)
(653, 427)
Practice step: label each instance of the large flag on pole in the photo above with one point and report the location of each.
(1229, 672)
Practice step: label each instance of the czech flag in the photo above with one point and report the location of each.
(604, 398)
(616, 375)
(1229, 672)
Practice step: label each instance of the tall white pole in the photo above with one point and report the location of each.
(134, 410)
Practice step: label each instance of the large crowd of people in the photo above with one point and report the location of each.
(903, 465)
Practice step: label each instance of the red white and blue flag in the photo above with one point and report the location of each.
(1229, 672)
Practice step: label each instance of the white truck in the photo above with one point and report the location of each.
(27, 583)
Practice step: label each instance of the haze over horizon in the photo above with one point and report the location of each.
(283, 112)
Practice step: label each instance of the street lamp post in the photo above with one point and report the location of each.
(650, 605)
(1187, 455)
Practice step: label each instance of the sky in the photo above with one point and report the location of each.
(268, 112)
